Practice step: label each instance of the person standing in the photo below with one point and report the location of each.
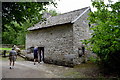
(83, 52)
(35, 54)
(41, 56)
(17, 49)
(83, 49)
(12, 58)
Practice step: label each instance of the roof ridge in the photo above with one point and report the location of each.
(74, 10)
(65, 13)
(80, 15)
(71, 11)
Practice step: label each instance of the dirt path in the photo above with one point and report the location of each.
(26, 69)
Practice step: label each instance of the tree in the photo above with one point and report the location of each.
(53, 12)
(105, 41)
(17, 14)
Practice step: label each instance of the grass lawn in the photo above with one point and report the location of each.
(1, 49)
(5, 48)
(7, 58)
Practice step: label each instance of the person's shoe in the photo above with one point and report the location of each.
(10, 67)
(41, 62)
(34, 63)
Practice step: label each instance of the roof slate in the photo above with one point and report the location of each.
(58, 20)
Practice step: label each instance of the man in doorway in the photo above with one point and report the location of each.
(41, 56)
(12, 58)
(35, 54)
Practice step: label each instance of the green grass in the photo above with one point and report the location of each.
(7, 58)
(73, 74)
(5, 48)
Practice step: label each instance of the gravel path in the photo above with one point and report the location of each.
(26, 69)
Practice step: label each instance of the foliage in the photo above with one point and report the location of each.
(5, 48)
(105, 41)
(53, 12)
(17, 17)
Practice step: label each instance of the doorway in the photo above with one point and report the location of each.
(41, 54)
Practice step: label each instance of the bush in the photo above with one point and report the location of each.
(105, 41)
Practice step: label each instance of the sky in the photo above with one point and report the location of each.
(70, 5)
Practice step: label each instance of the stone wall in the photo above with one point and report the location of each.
(7, 45)
(11, 46)
(57, 42)
(80, 32)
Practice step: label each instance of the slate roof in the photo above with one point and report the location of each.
(58, 20)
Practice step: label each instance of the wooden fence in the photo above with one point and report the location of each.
(11, 45)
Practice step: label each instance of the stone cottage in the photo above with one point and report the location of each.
(59, 37)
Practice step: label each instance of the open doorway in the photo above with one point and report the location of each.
(41, 54)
